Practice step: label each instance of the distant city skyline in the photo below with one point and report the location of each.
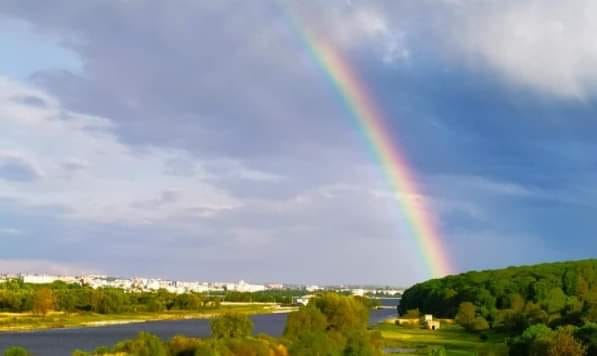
(138, 283)
(203, 141)
(281, 284)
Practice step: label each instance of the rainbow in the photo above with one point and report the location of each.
(371, 122)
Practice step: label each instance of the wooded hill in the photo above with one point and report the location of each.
(514, 297)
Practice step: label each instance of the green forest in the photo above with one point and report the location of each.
(534, 305)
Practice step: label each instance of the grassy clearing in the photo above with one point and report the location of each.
(457, 341)
(22, 322)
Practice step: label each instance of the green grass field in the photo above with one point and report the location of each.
(456, 341)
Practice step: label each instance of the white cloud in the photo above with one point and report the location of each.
(92, 175)
(235, 169)
(361, 26)
(354, 24)
(547, 46)
(367, 26)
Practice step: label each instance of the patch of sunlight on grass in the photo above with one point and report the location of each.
(456, 340)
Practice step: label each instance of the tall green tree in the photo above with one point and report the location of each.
(466, 315)
(330, 325)
(342, 313)
(231, 325)
(534, 341)
(555, 301)
(43, 301)
(307, 319)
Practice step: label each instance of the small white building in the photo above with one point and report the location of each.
(429, 323)
(275, 286)
(304, 300)
(39, 278)
(359, 292)
(196, 287)
(313, 288)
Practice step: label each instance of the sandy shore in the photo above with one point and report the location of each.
(16, 322)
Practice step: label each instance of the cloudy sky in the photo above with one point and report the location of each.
(199, 140)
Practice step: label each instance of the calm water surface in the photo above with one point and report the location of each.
(61, 342)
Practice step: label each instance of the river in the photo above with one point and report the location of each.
(61, 342)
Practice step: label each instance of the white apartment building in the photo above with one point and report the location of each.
(39, 278)
(243, 286)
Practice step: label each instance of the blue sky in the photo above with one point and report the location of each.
(200, 141)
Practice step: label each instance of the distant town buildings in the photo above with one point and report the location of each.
(179, 287)
(359, 292)
(243, 286)
(143, 284)
(40, 279)
(274, 286)
(312, 288)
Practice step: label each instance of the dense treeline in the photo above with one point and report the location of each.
(542, 307)
(282, 296)
(16, 296)
(331, 325)
(564, 292)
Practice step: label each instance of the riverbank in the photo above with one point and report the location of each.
(27, 322)
(62, 341)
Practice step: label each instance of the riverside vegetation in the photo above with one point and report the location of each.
(331, 324)
(27, 307)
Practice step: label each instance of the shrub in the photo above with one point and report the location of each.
(317, 343)
(80, 353)
(479, 324)
(307, 318)
(533, 341)
(437, 351)
(412, 314)
(588, 335)
(183, 346)
(43, 301)
(466, 315)
(155, 306)
(565, 344)
(16, 351)
(145, 344)
(231, 325)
